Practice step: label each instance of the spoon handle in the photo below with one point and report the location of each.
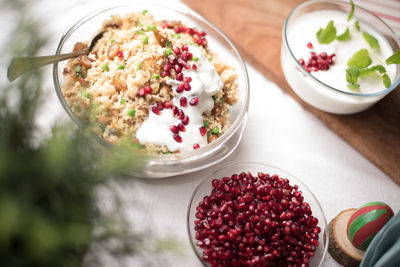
(22, 65)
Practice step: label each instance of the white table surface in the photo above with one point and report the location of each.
(279, 132)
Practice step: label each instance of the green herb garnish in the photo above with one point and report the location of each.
(151, 28)
(139, 31)
(139, 65)
(85, 94)
(360, 59)
(123, 101)
(351, 11)
(222, 100)
(168, 51)
(210, 59)
(365, 72)
(215, 130)
(144, 12)
(112, 40)
(205, 124)
(344, 36)
(155, 76)
(371, 40)
(394, 59)
(145, 40)
(357, 25)
(168, 44)
(177, 36)
(77, 68)
(131, 112)
(140, 24)
(105, 67)
(195, 58)
(386, 80)
(327, 35)
(121, 67)
(352, 74)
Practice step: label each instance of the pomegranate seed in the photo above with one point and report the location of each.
(203, 130)
(120, 54)
(187, 79)
(175, 110)
(185, 120)
(177, 138)
(301, 61)
(168, 104)
(183, 101)
(181, 114)
(194, 66)
(177, 68)
(309, 45)
(83, 82)
(194, 101)
(187, 86)
(147, 89)
(171, 59)
(181, 127)
(180, 88)
(177, 29)
(142, 92)
(167, 67)
(155, 110)
(164, 25)
(179, 76)
(176, 50)
(196, 146)
(160, 105)
(164, 73)
(174, 129)
(185, 47)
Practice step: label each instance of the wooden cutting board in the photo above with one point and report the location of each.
(255, 26)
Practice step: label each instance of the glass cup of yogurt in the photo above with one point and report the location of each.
(327, 88)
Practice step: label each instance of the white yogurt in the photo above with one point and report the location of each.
(303, 30)
(205, 83)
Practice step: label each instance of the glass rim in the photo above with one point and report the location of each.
(184, 10)
(308, 75)
(279, 171)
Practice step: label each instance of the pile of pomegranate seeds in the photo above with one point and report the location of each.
(255, 221)
(317, 62)
(198, 36)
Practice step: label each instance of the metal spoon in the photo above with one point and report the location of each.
(22, 65)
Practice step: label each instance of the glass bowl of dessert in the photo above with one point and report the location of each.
(161, 80)
(338, 57)
(253, 214)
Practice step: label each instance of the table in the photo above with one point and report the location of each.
(279, 132)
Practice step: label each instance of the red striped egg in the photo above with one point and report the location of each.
(366, 222)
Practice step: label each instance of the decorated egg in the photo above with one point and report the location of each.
(366, 222)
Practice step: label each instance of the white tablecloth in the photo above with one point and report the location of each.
(279, 132)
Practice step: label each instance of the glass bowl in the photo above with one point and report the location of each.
(205, 187)
(314, 91)
(157, 166)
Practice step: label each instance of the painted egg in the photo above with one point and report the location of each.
(366, 222)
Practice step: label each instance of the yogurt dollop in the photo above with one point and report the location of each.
(204, 84)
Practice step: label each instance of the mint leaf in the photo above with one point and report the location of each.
(394, 59)
(327, 35)
(357, 25)
(353, 86)
(352, 74)
(351, 11)
(386, 80)
(344, 36)
(371, 40)
(360, 59)
(381, 69)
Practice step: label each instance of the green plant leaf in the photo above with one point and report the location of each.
(327, 35)
(351, 11)
(360, 59)
(352, 74)
(386, 80)
(344, 36)
(371, 40)
(394, 59)
(357, 25)
(365, 72)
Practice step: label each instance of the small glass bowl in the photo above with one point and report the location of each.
(317, 93)
(205, 187)
(159, 166)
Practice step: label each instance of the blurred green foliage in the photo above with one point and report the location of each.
(47, 213)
